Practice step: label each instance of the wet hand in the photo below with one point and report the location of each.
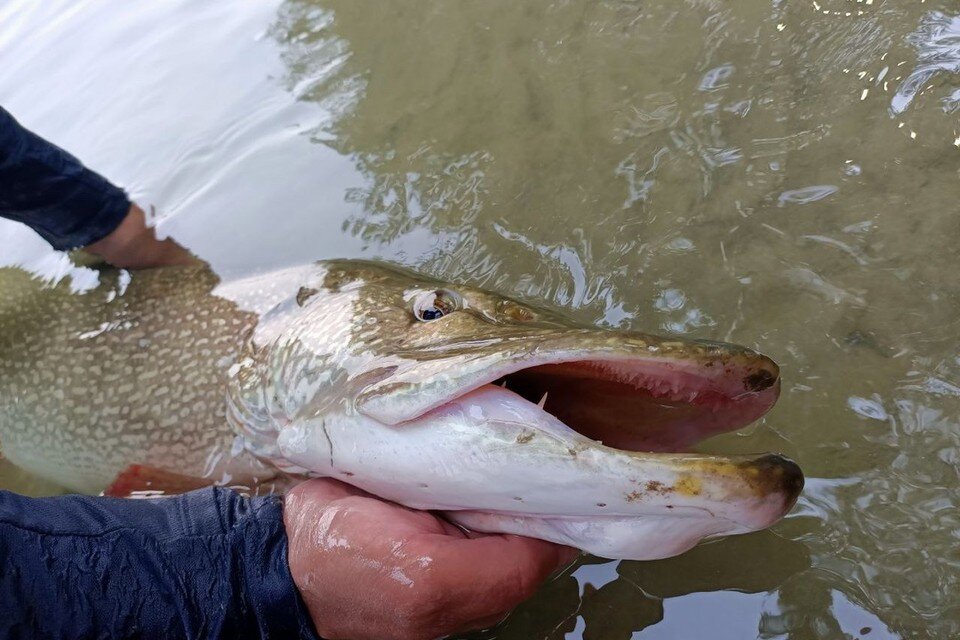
(134, 245)
(372, 569)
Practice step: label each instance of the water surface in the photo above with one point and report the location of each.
(781, 175)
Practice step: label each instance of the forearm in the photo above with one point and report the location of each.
(49, 190)
(46, 188)
(208, 564)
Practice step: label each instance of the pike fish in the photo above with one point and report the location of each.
(504, 416)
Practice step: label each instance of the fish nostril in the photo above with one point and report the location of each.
(793, 481)
(760, 380)
(781, 475)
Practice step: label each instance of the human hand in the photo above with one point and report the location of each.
(373, 569)
(134, 245)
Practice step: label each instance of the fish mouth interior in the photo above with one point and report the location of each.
(639, 405)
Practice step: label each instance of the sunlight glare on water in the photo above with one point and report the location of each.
(784, 175)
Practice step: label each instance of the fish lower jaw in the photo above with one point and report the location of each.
(495, 462)
(619, 537)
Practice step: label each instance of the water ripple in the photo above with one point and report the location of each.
(937, 41)
(806, 194)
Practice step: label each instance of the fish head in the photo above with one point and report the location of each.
(514, 418)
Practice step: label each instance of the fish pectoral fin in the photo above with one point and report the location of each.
(141, 481)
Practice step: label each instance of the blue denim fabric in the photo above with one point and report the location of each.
(46, 188)
(207, 564)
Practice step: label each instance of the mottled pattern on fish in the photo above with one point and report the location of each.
(131, 371)
(383, 378)
(349, 341)
(137, 369)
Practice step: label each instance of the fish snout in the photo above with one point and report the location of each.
(770, 484)
(783, 476)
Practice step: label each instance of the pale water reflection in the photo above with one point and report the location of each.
(781, 174)
(937, 41)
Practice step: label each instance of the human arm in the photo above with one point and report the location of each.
(212, 564)
(70, 206)
(134, 245)
(207, 564)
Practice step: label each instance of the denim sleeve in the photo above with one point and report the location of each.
(46, 188)
(206, 564)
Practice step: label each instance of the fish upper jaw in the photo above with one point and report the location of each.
(680, 392)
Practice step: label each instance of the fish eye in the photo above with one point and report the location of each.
(433, 305)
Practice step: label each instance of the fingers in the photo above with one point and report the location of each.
(490, 575)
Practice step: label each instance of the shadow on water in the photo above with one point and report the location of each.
(708, 592)
(615, 600)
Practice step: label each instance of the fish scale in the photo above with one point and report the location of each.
(328, 369)
(123, 372)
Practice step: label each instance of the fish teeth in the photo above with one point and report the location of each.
(543, 400)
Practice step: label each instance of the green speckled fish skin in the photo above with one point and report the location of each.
(165, 367)
(349, 344)
(131, 371)
(349, 378)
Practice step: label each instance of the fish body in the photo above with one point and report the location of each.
(133, 370)
(507, 417)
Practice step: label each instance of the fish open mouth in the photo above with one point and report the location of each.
(639, 405)
(586, 441)
(634, 396)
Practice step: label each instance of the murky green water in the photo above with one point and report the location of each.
(785, 175)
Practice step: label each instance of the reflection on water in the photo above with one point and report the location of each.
(783, 175)
(937, 41)
(664, 599)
